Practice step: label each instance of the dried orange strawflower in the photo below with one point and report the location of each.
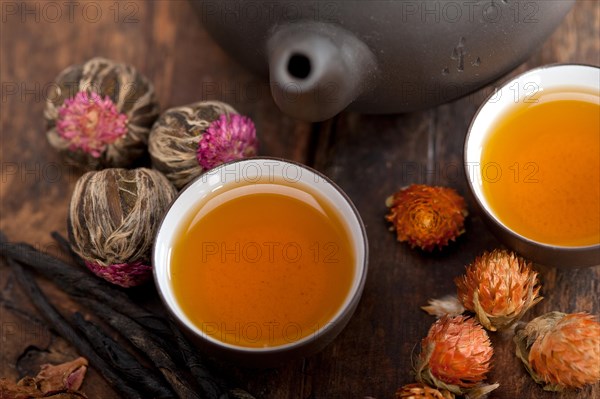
(456, 356)
(422, 391)
(499, 287)
(561, 350)
(425, 216)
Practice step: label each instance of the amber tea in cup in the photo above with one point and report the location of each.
(532, 158)
(262, 264)
(541, 167)
(262, 256)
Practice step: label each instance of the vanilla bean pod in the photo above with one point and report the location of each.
(127, 365)
(75, 281)
(146, 343)
(79, 282)
(211, 386)
(122, 303)
(65, 245)
(60, 325)
(145, 327)
(64, 275)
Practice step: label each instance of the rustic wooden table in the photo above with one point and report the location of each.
(369, 156)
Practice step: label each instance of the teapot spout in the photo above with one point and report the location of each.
(317, 69)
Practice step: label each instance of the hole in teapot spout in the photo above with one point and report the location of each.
(299, 66)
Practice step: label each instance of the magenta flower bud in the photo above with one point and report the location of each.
(227, 139)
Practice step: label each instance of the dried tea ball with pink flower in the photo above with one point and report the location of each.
(99, 114)
(113, 217)
(186, 141)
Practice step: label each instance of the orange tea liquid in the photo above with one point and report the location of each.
(541, 168)
(262, 265)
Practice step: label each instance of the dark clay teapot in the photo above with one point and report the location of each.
(378, 56)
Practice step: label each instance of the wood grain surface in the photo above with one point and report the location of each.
(369, 156)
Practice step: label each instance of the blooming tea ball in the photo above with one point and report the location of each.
(113, 217)
(99, 114)
(186, 141)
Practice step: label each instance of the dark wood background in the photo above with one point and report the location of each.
(369, 156)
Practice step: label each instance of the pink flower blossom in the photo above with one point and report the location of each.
(123, 274)
(227, 140)
(90, 123)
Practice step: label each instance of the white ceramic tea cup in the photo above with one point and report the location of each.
(243, 172)
(525, 88)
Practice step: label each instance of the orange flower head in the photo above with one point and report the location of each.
(425, 216)
(455, 355)
(499, 287)
(422, 391)
(561, 350)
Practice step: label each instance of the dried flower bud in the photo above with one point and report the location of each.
(53, 381)
(186, 141)
(561, 350)
(422, 391)
(113, 217)
(499, 287)
(456, 356)
(426, 217)
(99, 114)
(67, 376)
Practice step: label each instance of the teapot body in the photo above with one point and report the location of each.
(420, 53)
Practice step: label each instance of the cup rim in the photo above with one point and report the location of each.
(484, 206)
(350, 300)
